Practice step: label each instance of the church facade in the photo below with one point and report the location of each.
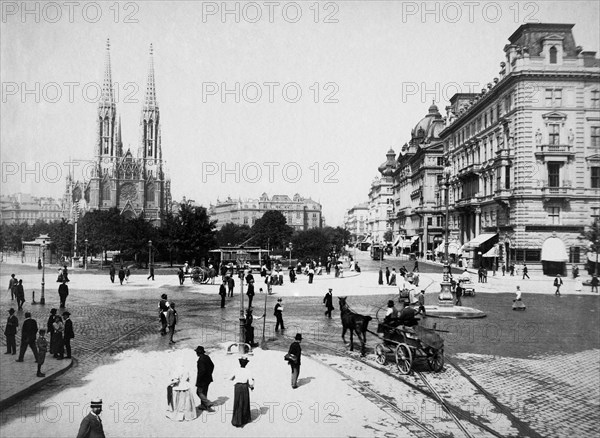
(134, 182)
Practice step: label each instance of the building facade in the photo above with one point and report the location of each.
(23, 207)
(301, 213)
(525, 154)
(132, 181)
(381, 200)
(355, 221)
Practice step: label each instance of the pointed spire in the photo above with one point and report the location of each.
(150, 102)
(106, 97)
(119, 141)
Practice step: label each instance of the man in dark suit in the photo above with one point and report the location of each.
(12, 324)
(230, 285)
(91, 425)
(112, 273)
(69, 333)
(50, 329)
(63, 293)
(296, 350)
(20, 294)
(223, 293)
(204, 378)
(28, 332)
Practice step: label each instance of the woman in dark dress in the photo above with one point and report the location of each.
(242, 380)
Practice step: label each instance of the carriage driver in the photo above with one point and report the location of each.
(391, 314)
(407, 316)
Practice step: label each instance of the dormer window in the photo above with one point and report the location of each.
(553, 55)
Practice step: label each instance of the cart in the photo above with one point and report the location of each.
(468, 287)
(409, 344)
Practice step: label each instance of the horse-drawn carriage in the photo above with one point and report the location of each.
(202, 275)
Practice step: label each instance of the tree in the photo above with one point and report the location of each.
(272, 231)
(194, 233)
(388, 236)
(61, 235)
(593, 236)
(233, 234)
(318, 243)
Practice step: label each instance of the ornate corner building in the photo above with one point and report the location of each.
(134, 184)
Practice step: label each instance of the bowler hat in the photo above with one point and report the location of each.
(164, 296)
(199, 349)
(391, 303)
(11, 310)
(298, 337)
(67, 313)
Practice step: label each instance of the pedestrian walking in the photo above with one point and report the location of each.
(181, 276)
(42, 347)
(294, 361)
(328, 301)
(242, 381)
(91, 425)
(59, 345)
(20, 294)
(112, 271)
(387, 275)
(121, 275)
(250, 291)
(68, 334)
(151, 276)
(28, 334)
(575, 271)
(230, 285)
(416, 267)
(180, 396)
(278, 312)
(223, 293)
(512, 270)
(518, 302)
(503, 270)
(171, 321)
(393, 277)
(163, 307)
(204, 378)
(249, 328)
(12, 286)
(127, 274)
(459, 294)
(311, 274)
(558, 282)
(63, 293)
(594, 283)
(50, 329)
(10, 331)
(292, 274)
(525, 270)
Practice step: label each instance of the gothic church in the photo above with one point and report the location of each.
(135, 185)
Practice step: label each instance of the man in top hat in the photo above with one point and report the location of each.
(296, 350)
(91, 425)
(68, 333)
(278, 312)
(328, 301)
(204, 378)
(12, 325)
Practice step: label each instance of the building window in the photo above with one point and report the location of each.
(554, 134)
(574, 255)
(595, 99)
(553, 55)
(554, 215)
(595, 172)
(595, 136)
(553, 97)
(553, 174)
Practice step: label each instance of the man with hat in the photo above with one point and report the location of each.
(63, 293)
(12, 324)
(12, 286)
(91, 425)
(279, 315)
(28, 334)
(296, 350)
(205, 369)
(163, 307)
(68, 333)
(391, 314)
(328, 301)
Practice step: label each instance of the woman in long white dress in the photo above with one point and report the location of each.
(182, 406)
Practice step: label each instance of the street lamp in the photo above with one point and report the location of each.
(242, 338)
(43, 298)
(85, 259)
(445, 298)
(290, 248)
(149, 257)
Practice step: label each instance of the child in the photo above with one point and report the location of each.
(42, 346)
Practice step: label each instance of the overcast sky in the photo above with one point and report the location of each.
(367, 72)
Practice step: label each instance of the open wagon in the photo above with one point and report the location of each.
(409, 343)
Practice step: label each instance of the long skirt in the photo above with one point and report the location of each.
(57, 345)
(183, 407)
(518, 305)
(241, 405)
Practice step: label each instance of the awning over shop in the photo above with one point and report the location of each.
(413, 239)
(397, 241)
(478, 241)
(453, 248)
(553, 250)
(593, 257)
(492, 252)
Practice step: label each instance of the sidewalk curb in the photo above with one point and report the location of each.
(14, 398)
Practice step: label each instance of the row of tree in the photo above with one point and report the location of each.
(184, 235)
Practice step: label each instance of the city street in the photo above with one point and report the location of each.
(534, 364)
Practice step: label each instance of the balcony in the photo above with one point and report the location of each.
(563, 192)
(416, 194)
(469, 170)
(554, 150)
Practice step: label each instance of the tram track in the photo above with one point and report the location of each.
(457, 414)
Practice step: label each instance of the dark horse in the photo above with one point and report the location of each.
(354, 322)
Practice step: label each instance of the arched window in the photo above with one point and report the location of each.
(106, 192)
(553, 55)
(150, 193)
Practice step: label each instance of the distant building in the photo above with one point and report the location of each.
(355, 221)
(23, 207)
(381, 200)
(301, 213)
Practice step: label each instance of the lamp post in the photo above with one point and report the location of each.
(42, 297)
(242, 338)
(149, 257)
(445, 298)
(85, 263)
(290, 248)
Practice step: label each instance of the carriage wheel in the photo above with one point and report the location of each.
(403, 358)
(436, 361)
(380, 354)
